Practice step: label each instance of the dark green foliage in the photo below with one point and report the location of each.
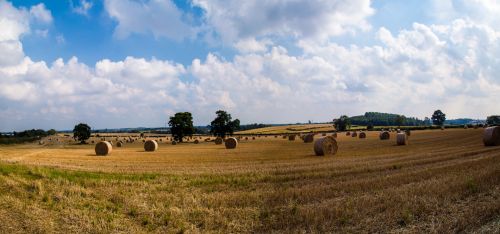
(81, 132)
(384, 119)
(493, 120)
(223, 125)
(181, 125)
(438, 117)
(51, 132)
(400, 120)
(343, 123)
(22, 137)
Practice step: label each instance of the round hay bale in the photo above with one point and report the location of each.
(276, 136)
(103, 148)
(402, 139)
(150, 145)
(408, 132)
(385, 135)
(41, 142)
(231, 143)
(219, 140)
(348, 133)
(354, 134)
(196, 141)
(119, 144)
(334, 135)
(362, 135)
(291, 137)
(491, 136)
(253, 138)
(284, 136)
(325, 146)
(174, 142)
(309, 138)
(246, 138)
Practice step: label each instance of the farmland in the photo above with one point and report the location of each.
(443, 181)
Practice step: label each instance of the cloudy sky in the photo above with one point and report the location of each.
(130, 63)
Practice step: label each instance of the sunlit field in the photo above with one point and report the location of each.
(443, 181)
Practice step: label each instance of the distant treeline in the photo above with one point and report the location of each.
(386, 119)
(25, 136)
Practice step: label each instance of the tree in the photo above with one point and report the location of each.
(400, 119)
(222, 124)
(181, 125)
(51, 132)
(81, 132)
(343, 123)
(438, 118)
(493, 120)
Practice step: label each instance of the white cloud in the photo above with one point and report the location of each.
(41, 14)
(83, 8)
(158, 17)
(235, 20)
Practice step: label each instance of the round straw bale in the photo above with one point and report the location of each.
(362, 135)
(276, 136)
(119, 144)
(284, 137)
(231, 143)
(246, 138)
(385, 135)
(408, 132)
(354, 134)
(150, 145)
(334, 135)
(174, 142)
(219, 140)
(402, 139)
(308, 138)
(291, 137)
(41, 142)
(253, 138)
(103, 148)
(325, 146)
(348, 133)
(491, 136)
(196, 141)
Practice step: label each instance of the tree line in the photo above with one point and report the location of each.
(181, 126)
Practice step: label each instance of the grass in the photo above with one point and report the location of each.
(443, 181)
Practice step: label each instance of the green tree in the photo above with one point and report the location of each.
(493, 120)
(438, 118)
(400, 119)
(181, 125)
(343, 123)
(81, 132)
(223, 125)
(51, 132)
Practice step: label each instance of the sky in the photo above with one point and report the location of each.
(134, 63)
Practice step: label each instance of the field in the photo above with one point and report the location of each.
(443, 181)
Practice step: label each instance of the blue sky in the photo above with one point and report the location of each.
(129, 63)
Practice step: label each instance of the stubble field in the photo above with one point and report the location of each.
(443, 181)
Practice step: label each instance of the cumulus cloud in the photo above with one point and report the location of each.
(161, 18)
(41, 14)
(235, 20)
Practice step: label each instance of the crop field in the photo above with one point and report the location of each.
(443, 181)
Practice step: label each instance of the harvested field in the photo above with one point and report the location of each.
(444, 181)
